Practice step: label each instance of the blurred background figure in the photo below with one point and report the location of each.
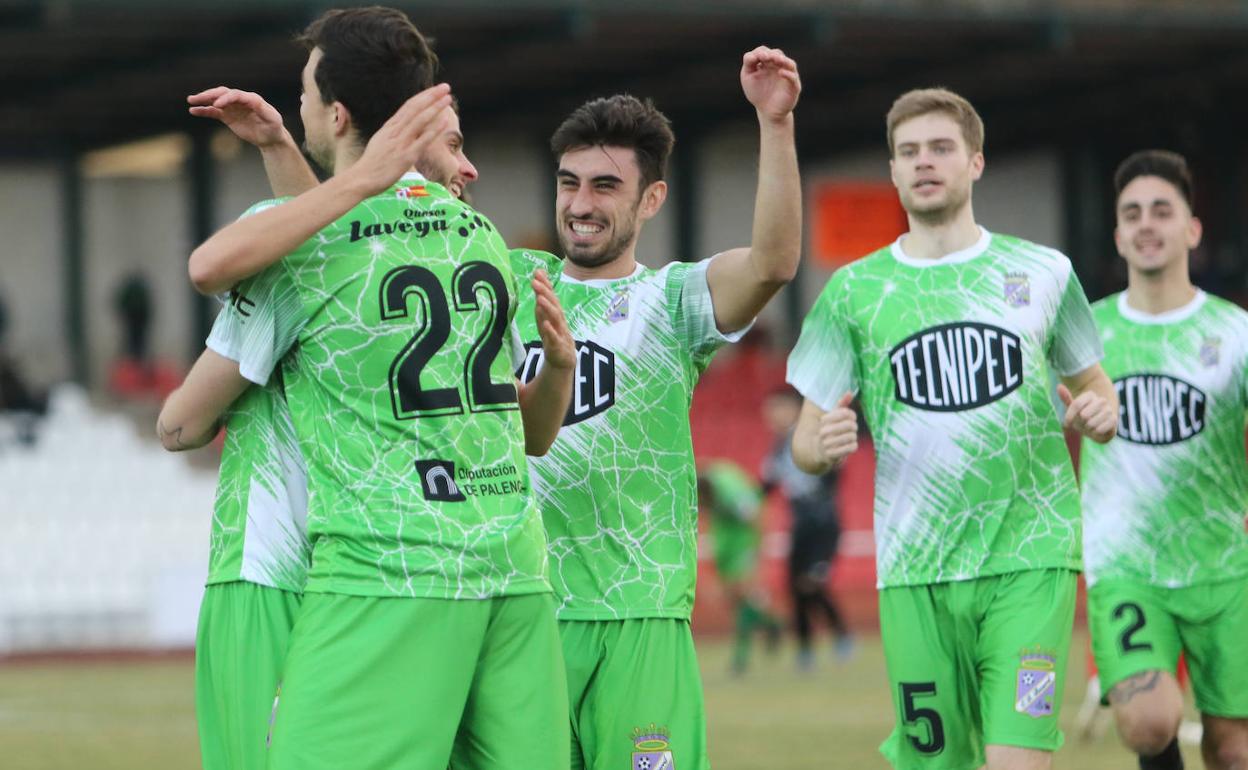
(734, 502)
(18, 402)
(815, 532)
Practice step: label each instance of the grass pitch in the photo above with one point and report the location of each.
(139, 714)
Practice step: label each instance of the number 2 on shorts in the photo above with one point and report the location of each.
(913, 715)
(1125, 641)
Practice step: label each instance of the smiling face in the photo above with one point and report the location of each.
(600, 204)
(1155, 228)
(932, 168)
(445, 162)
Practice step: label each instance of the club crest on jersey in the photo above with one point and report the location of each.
(650, 749)
(955, 367)
(617, 310)
(1211, 351)
(593, 386)
(1158, 409)
(415, 191)
(1017, 289)
(1037, 684)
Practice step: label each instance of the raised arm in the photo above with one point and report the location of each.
(1091, 404)
(191, 416)
(544, 400)
(247, 246)
(258, 123)
(742, 281)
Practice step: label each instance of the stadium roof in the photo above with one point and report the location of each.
(79, 75)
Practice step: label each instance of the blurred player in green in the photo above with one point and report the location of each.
(426, 636)
(814, 532)
(1164, 505)
(949, 336)
(734, 503)
(618, 488)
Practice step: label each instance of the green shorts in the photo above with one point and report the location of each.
(1137, 627)
(239, 649)
(635, 695)
(975, 663)
(423, 684)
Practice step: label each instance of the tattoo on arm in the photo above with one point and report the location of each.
(172, 437)
(1132, 686)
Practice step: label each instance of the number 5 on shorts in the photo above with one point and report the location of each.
(913, 715)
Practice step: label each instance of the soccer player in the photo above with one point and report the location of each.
(258, 551)
(258, 544)
(618, 488)
(427, 630)
(1165, 545)
(815, 530)
(734, 503)
(949, 336)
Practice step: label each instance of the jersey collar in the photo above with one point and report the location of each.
(963, 255)
(1168, 317)
(565, 278)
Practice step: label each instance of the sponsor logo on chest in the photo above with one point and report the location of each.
(1158, 409)
(593, 386)
(958, 366)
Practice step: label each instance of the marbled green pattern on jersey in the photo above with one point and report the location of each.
(401, 390)
(952, 360)
(259, 525)
(618, 490)
(1165, 502)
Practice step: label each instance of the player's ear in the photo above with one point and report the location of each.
(342, 120)
(977, 166)
(652, 199)
(1195, 230)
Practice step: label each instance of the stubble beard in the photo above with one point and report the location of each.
(606, 254)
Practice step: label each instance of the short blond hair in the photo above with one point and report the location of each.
(921, 101)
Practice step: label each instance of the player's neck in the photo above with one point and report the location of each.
(345, 156)
(1155, 294)
(933, 240)
(621, 267)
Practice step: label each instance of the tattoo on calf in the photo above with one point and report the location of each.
(1132, 686)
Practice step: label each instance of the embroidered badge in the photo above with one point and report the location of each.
(1017, 290)
(1211, 351)
(617, 310)
(1037, 684)
(650, 749)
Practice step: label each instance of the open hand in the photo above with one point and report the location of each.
(558, 347)
(401, 140)
(246, 113)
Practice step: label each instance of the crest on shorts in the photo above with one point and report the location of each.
(1017, 290)
(617, 310)
(1037, 683)
(1211, 351)
(650, 750)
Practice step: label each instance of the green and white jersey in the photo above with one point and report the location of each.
(259, 521)
(952, 360)
(618, 490)
(1165, 502)
(398, 322)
